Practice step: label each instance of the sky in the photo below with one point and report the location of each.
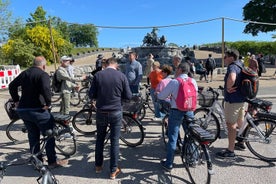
(149, 13)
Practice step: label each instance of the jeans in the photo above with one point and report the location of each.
(38, 121)
(134, 88)
(174, 122)
(65, 102)
(156, 104)
(114, 120)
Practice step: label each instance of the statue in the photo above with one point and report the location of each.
(151, 39)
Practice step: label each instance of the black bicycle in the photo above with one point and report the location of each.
(46, 176)
(194, 151)
(132, 131)
(18, 133)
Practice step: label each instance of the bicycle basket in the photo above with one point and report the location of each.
(134, 105)
(206, 99)
(10, 109)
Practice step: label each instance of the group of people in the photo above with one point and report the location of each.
(35, 101)
(256, 64)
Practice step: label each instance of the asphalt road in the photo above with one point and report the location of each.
(139, 164)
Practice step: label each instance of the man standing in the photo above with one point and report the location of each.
(210, 65)
(109, 87)
(33, 105)
(133, 73)
(68, 83)
(234, 102)
(175, 116)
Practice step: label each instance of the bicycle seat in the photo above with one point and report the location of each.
(61, 117)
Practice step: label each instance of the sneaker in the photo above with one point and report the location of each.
(167, 168)
(99, 169)
(115, 174)
(156, 119)
(58, 163)
(226, 154)
(240, 146)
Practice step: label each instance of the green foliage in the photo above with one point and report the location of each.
(38, 17)
(83, 35)
(260, 11)
(253, 46)
(18, 52)
(5, 16)
(172, 45)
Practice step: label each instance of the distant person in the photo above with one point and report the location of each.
(67, 85)
(246, 59)
(253, 64)
(200, 70)
(99, 62)
(261, 64)
(148, 68)
(71, 68)
(108, 88)
(241, 58)
(33, 108)
(155, 77)
(134, 73)
(210, 65)
(176, 62)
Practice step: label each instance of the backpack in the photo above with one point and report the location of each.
(249, 83)
(56, 84)
(210, 63)
(187, 95)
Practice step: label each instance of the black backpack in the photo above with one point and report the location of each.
(249, 83)
(210, 63)
(56, 84)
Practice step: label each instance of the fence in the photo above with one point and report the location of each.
(7, 74)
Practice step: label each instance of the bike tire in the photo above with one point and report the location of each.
(213, 126)
(165, 129)
(142, 113)
(132, 131)
(74, 100)
(263, 149)
(84, 121)
(55, 97)
(65, 143)
(196, 160)
(83, 92)
(17, 132)
(48, 178)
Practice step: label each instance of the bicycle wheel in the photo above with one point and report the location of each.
(262, 148)
(75, 101)
(210, 124)
(165, 129)
(195, 158)
(142, 113)
(55, 97)
(83, 92)
(84, 121)
(132, 132)
(66, 143)
(17, 132)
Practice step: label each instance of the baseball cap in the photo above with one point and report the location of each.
(65, 58)
(100, 56)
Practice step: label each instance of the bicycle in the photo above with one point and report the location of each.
(211, 114)
(46, 176)
(18, 133)
(194, 151)
(132, 131)
(147, 102)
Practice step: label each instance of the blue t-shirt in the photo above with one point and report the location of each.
(235, 97)
(134, 72)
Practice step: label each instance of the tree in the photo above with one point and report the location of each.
(260, 11)
(37, 18)
(5, 16)
(83, 35)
